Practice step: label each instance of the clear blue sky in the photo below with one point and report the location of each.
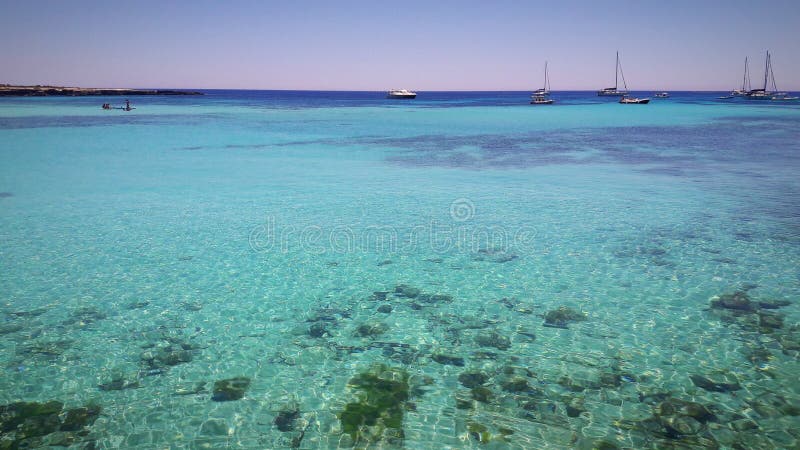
(376, 45)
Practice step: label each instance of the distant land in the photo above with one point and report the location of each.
(7, 90)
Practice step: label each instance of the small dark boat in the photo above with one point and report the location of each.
(401, 94)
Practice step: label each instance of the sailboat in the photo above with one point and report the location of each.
(746, 88)
(542, 96)
(614, 91)
(763, 93)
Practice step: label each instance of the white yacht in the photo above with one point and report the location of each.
(769, 82)
(542, 96)
(401, 93)
(615, 91)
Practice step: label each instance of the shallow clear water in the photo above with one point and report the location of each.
(245, 233)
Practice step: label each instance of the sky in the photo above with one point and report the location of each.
(378, 45)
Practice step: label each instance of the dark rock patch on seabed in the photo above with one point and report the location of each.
(448, 360)
(376, 416)
(472, 379)
(38, 425)
(230, 389)
(118, 383)
(724, 384)
(493, 339)
(562, 317)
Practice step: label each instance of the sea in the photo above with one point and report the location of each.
(319, 270)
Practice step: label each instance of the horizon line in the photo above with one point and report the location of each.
(359, 90)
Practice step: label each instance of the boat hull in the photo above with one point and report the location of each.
(634, 101)
(402, 96)
(611, 93)
(542, 102)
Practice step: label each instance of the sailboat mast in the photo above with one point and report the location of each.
(616, 73)
(766, 71)
(744, 77)
(546, 87)
(772, 76)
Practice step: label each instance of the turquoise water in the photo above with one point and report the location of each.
(146, 255)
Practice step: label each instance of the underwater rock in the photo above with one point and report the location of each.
(714, 386)
(562, 317)
(317, 330)
(681, 425)
(385, 309)
(481, 434)
(192, 306)
(371, 329)
(770, 404)
(79, 418)
(744, 425)
(37, 425)
(653, 397)
(494, 255)
(611, 379)
(385, 262)
(695, 410)
(286, 417)
(527, 335)
(435, 298)
(790, 342)
(448, 360)
(85, 316)
(463, 403)
(473, 379)
(757, 355)
(493, 339)
(738, 301)
(6, 195)
(28, 419)
(404, 290)
(769, 322)
(379, 296)
(516, 384)
(575, 407)
(484, 356)
(170, 355)
(572, 385)
(118, 384)
(137, 304)
(505, 258)
(10, 328)
(50, 348)
(773, 304)
(482, 394)
(230, 389)
(28, 313)
(377, 415)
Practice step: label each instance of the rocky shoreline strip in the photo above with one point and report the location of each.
(45, 91)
